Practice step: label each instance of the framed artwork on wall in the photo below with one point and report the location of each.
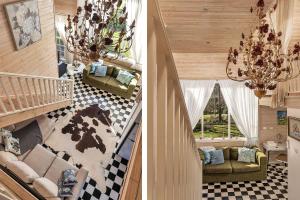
(24, 21)
(282, 118)
(294, 128)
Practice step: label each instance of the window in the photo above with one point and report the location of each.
(216, 121)
(60, 47)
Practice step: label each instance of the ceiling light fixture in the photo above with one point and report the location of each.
(260, 59)
(99, 30)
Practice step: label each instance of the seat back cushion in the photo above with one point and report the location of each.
(234, 153)
(23, 171)
(45, 187)
(58, 166)
(40, 159)
(226, 153)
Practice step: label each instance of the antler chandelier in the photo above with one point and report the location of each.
(260, 60)
(98, 30)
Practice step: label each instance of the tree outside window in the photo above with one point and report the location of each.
(216, 121)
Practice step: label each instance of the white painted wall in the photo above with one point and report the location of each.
(293, 162)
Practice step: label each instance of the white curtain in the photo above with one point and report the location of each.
(196, 94)
(60, 21)
(134, 8)
(243, 106)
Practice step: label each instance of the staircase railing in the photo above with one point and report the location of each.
(174, 169)
(19, 93)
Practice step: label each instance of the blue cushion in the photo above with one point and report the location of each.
(101, 70)
(206, 156)
(94, 67)
(124, 77)
(216, 157)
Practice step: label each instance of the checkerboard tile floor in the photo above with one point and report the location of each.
(121, 110)
(84, 94)
(274, 187)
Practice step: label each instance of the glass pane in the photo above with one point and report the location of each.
(216, 118)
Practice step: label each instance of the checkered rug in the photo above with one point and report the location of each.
(274, 187)
(120, 109)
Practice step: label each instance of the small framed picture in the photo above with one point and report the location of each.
(294, 128)
(282, 118)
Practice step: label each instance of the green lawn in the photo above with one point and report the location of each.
(214, 130)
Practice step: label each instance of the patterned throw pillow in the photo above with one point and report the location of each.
(207, 157)
(124, 77)
(101, 70)
(217, 157)
(94, 67)
(64, 191)
(12, 144)
(244, 155)
(69, 177)
(253, 155)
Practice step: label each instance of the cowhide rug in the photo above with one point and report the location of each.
(89, 138)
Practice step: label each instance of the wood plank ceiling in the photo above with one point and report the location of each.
(202, 31)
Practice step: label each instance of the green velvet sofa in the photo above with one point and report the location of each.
(233, 170)
(109, 82)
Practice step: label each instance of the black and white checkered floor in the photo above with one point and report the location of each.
(274, 187)
(121, 110)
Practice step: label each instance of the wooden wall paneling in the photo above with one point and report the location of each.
(36, 59)
(170, 136)
(161, 122)
(65, 7)
(176, 149)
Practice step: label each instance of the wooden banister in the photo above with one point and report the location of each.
(21, 93)
(174, 166)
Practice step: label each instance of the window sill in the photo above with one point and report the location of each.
(219, 140)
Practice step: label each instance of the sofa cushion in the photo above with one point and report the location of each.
(110, 69)
(99, 80)
(40, 159)
(234, 153)
(242, 167)
(22, 170)
(224, 168)
(226, 153)
(5, 157)
(45, 187)
(116, 85)
(58, 166)
(115, 72)
(216, 157)
(124, 77)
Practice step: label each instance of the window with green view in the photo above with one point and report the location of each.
(216, 121)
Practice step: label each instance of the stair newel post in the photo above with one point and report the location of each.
(23, 92)
(7, 96)
(15, 93)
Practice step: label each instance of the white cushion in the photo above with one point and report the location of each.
(45, 187)
(5, 157)
(58, 166)
(40, 159)
(22, 170)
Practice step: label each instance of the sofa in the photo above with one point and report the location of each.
(40, 170)
(109, 82)
(232, 170)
